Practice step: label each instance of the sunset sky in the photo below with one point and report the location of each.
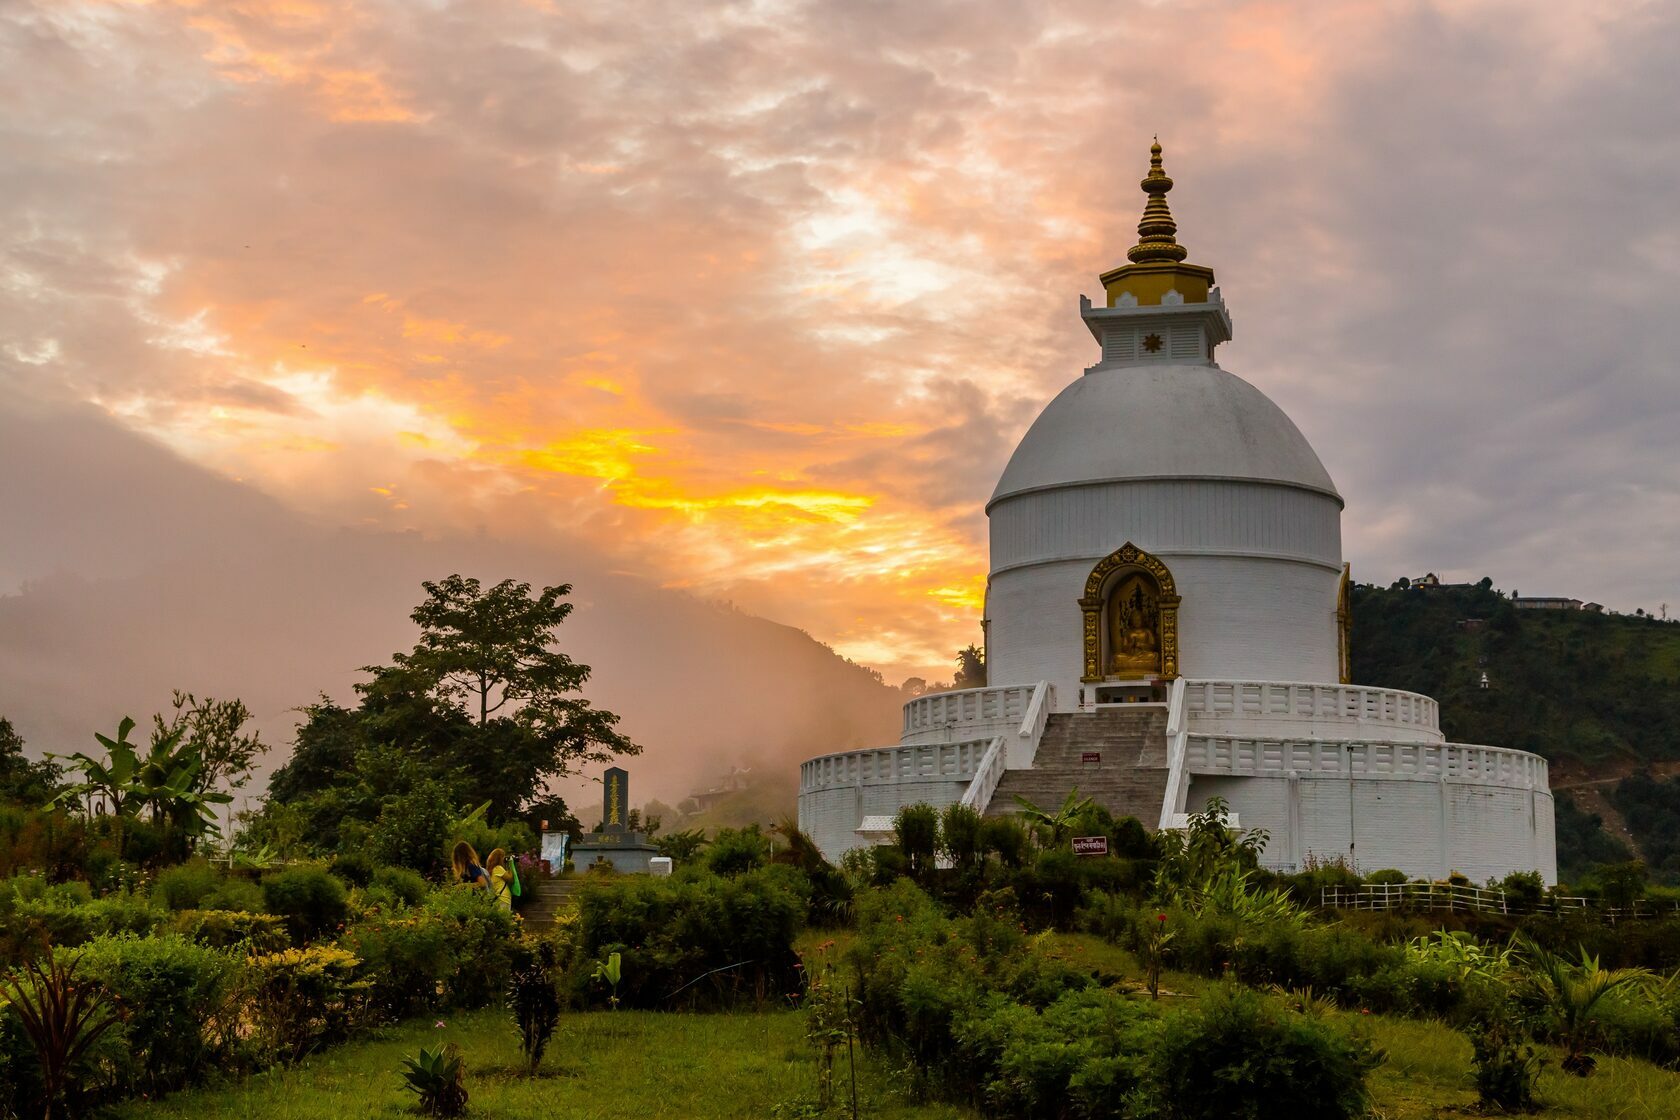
(754, 299)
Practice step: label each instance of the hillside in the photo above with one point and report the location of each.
(1598, 695)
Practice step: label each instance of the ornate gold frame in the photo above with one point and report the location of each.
(1129, 557)
(1344, 625)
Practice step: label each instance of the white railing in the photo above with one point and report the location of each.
(987, 776)
(1178, 772)
(965, 713)
(1255, 757)
(954, 762)
(1033, 722)
(1464, 897)
(1307, 702)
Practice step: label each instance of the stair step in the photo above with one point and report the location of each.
(1129, 778)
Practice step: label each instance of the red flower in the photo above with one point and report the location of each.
(1160, 917)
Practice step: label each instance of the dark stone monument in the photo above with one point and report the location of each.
(627, 851)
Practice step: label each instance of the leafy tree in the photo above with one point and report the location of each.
(31, 783)
(214, 729)
(971, 668)
(488, 655)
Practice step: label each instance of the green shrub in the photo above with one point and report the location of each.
(303, 998)
(398, 886)
(235, 893)
(177, 1012)
(20, 1070)
(916, 832)
(437, 1076)
(1238, 1055)
(692, 940)
(960, 831)
(310, 899)
(1504, 1062)
(1387, 876)
(736, 851)
(480, 938)
(184, 886)
(413, 829)
(1007, 837)
(354, 868)
(230, 929)
(406, 957)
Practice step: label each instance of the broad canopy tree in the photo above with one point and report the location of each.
(484, 703)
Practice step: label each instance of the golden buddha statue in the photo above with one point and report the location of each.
(1134, 628)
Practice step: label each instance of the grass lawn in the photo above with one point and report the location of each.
(600, 1066)
(641, 1065)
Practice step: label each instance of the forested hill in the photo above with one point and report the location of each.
(1598, 695)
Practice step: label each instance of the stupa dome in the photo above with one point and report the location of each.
(1152, 421)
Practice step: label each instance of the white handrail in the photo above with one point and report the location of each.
(1178, 773)
(1254, 756)
(1033, 723)
(986, 776)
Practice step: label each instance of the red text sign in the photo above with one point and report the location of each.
(1090, 845)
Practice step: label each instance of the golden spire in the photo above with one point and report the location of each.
(1156, 263)
(1157, 231)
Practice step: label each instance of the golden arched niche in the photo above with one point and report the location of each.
(1131, 618)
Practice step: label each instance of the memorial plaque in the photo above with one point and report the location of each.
(615, 799)
(1090, 756)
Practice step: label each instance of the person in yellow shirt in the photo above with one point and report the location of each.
(501, 878)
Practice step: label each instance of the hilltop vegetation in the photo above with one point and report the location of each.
(1569, 685)
(1597, 694)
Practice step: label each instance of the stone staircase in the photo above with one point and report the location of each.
(1129, 778)
(547, 897)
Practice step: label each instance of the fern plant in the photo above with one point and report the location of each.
(437, 1076)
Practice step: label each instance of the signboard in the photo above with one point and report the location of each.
(1090, 845)
(1090, 756)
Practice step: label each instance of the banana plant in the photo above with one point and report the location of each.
(1053, 825)
(167, 782)
(112, 780)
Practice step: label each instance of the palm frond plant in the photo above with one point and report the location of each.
(1570, 996)
(1052, 826)
(62, 1016)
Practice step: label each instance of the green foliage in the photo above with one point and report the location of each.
(413, 827)
(961, 836)
(397, 886)
(692, 940)
(22, 781)
(1505, 1064)
(916, 832)
(213, 731)
(354, 868)
(174, 996)
(186, 885)
(437, 1076)
(1238, 1055)
(232, 929)
(309, 898)
(609, 970)
(302, 998)
(971, 668)
(1582, 841)
(1052, 827)
(480, 938)
(62, 1015)
(736, 851)
(534, 999)
(683, 847)
(1567, 1000)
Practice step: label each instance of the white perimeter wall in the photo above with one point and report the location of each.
(1256, 565)
(1426, 828)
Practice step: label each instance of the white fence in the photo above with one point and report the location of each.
(1463, 898)
(1496, 766)
(1286, 701)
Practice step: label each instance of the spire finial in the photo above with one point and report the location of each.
(1157, 232)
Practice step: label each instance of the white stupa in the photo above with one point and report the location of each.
(1166, 621)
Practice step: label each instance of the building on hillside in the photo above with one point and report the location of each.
(1546, 603)
(1167, 620)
